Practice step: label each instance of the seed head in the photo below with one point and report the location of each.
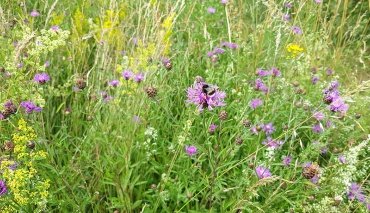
(310, 171)
(80, 83)
(238, 141)
(246, 123)
(9, 146)
(168, 66)
(31, 144)
(222, 115)
(151, 91)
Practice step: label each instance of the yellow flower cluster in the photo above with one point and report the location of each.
(167, 33)
(293, 50)
(25, 188)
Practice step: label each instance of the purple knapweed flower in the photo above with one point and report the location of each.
(218, 51)
(108, 98)
(76, 89)
(318, 1)
(41, 78)
(315, 179)
(1, 116)
(319, 116)
(329, 71)
(114, 83)
(356, 192)
(314, 80)
(30, 107)
(25, 54)
(287, 160)
(275, 72)
(139, 77)
(209, 54)
(341, 159)
(191, 150)
(329, 123)
(324, 150)
(338, 105)
(268, 128)
(260, 86)
(287, 17)
(262, 172)
(127, 74)
(254, 130)
(230, 45)
(203, 99)
(2, 188)
(316, 128)
(15, 43)
(262, 73)
(223, 2)
(211, 10)
(137, 120)
(297, 30)
(212, 128)
(34, 13)
(20, 65)
(255, 103)
(47, 64)
(55, 28)
(273, 143)
(288, 5)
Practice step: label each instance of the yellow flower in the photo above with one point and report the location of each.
(294, 50)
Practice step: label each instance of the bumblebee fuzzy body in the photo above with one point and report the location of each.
(208, 89)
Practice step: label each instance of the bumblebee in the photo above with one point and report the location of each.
(208, 89)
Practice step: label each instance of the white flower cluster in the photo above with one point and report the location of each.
(150, 144)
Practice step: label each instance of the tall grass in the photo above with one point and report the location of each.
(114, 149)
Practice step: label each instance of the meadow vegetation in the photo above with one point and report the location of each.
(184, 106)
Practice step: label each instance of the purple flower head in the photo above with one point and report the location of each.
(114, 83)
(76, 89)
(262, 172)
(287, 160)
(223, 2)
(47, 64)
(41, 78)
(318, 1)
(197, 95)
(230, 45)
(108, 98)
(68, 109)
(15, 43)
(254, 130)
(260, 86)
(2, 188)
(30, 107)
(25, 54)
(255, 103)
(297, 30)
(317, 128)
(288, 5)
(211, 10)
(275, 72)
(273, 143)
(1, 116)
(329, 71)
(20, 65)
(191, 150)
(324, 150)
(55, 28)
(212, 128)
(341, 159)
(287, 17)
(338, 105)
(329, 123)
(218, 51)
(319, 116)
(139, 77)
(315, 179)
(165, 61)
(314, 80)
(34, 13)
(209, 54)
(262, 72)
(127, 74)
(137, 120)
(355, 192)
(307, 164)
(13, 166)
(8, 104)
(268, 128)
